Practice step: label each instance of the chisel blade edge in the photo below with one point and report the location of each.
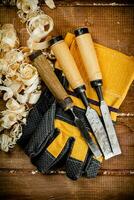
(110, 128)
(99, 132)
(94, 148)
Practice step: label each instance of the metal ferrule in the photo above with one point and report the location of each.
(97, 86)
(56, 39)
(80, 91)
(66, 104)
(35, 54)
(81, 31)
(96, 83)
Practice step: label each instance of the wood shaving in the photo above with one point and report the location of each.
(50, 4)
(8, 92)
(22, 98)
(8, 39)
(3, 66)
(5, 140)
(27, 74)
(34, 97)
(8, 141)
(27, 5)
(37, 45)
(15, 54)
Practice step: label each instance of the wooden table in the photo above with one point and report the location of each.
(112, 25)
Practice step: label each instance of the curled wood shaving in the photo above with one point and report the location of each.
(13, 106)
(22, 98)
(31, 88)
(15, 86)
(50, 4)
(34, 97)
(3, 66)
(9, 140)
(37, 45)
(5, 140)
(27, 5)
(28, 73)
(24, 17)
(8, 120)
(8, 92)
(8, 39)
(15, 134)
(39, 26)
(13, 56)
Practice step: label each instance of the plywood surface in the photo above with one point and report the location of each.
(112, 27)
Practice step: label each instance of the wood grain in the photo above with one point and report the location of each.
(112, 27)
(127, 107)
(33, 187)
(111, 24)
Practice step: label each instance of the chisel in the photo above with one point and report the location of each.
(89, 58)
(48, 76)
(69, 67)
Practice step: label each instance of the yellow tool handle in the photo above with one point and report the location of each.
(67, 63)
(88, 55)
(48, 76)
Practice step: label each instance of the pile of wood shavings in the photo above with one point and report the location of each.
(19, 80)
(19, 86)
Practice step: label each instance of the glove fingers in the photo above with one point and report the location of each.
(35, 116)
(43, 133)
(92, 167)
(74, 168)
(76, 161)
(53, 154)
(33, 120)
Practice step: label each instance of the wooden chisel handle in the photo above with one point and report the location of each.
(48, 76)
(88, 54)
(66, 61)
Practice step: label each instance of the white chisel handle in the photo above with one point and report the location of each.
(88, 54)
(66, 61)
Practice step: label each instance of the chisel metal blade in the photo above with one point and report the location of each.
(99, 132)
(92, 145)
(110, 128)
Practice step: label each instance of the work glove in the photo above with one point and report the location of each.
(54, 140)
